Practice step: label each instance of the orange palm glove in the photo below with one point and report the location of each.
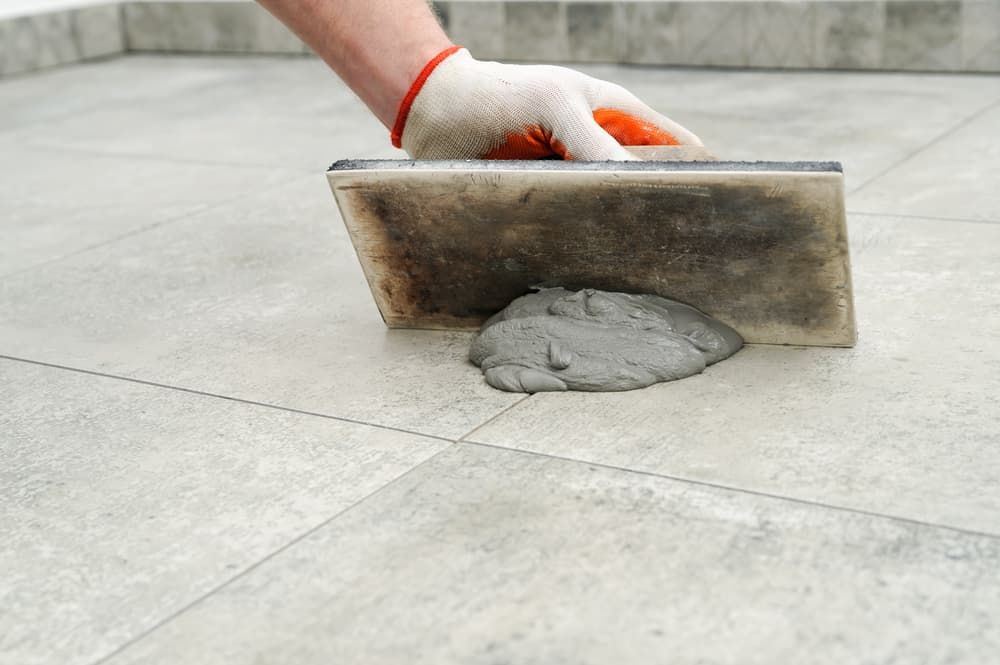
(462, 108)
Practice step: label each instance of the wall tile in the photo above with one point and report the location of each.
(714, 33)
(780, 34)
(206, 27)
(536, 31)
(922, 35)
(98, 31)
(591, 31)
(441, 9)
(478, 26)
(849, 34)
(981, 35)
(20, 50)
(651, 33)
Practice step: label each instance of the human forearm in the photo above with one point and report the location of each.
(378, 47)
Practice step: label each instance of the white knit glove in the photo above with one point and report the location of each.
(461, 108)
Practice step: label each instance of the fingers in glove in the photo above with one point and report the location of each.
(585, 140)
(632, 122)
(532, 143)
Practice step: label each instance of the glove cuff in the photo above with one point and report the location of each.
(404, 106)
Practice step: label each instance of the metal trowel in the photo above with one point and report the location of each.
(761, 246)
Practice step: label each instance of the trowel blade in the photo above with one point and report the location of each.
(761, 246)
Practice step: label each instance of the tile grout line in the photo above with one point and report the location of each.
(238, 400)
(929, 218)
(492, 418)
(961, 124)
(741, 490)
(150, 227)
(249, 569)
(266, 558)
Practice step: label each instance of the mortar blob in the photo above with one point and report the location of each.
(592, 340)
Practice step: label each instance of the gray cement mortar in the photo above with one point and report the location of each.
(592, 340)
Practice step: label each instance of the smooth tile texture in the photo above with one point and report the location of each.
(954, 177)
(111, 87)
(487, 556)
(905, 424)
(57, 203)
(288, 114)
(869, 122)
(123, 503)
(923, 35)
(262, 299)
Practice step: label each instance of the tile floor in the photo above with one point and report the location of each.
(211, 450)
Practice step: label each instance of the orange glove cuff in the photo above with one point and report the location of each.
(404, 106)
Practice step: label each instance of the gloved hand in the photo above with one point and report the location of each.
(461, 108)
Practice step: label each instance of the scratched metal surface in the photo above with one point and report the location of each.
(763, 249)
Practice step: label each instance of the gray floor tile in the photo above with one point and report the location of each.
(866, 121)
(63, 92)
(906, 423)
(54, 203)
(261, 299)
(488, 556)
(291, 113)
(955, 177)
(123, 503)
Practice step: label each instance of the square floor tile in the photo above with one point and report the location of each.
(262, 299)
(123, 503)
(292, 114)
(954, 177)
(867, 121)
(487, 556)
(906, 423)
(54, 203)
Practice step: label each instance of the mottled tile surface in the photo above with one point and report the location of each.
(652, 33)
(981, 35)
(923, 35)
(955, 176)
(593, 31)
(535, 31)
(285, 114)
(849, 34)
(262, 299)
(57, 203)
(488, 556)
(869, 122)
(479, 26)
(48, 38)
(122, 503)
(903, 424)
(169, 221)
(780, 34)
(240, 27)
(715, 33)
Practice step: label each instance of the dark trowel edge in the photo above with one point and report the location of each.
(564, 166)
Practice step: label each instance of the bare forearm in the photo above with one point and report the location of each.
(378, 47)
